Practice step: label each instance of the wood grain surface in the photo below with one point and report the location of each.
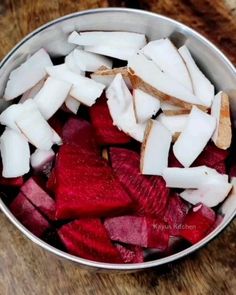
(28, 270)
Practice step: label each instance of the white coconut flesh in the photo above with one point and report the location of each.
(155, 149)
(72, 104)
(166, 56)
(27, 74)
(192, 177)
(41, 157)
(34, 126)
(194, 137)
(211, 193)
(85, 90)
(145, 105)
(109, 43)
(15, 154)
(90, 62)
(173, 123)
(52, 96)
(202, 87)
(120, 104)
(148, 72)
(33, 91)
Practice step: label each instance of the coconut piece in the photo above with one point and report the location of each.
(15, 154)
(112, 38)
(34, 126)
(121, 45)
(72, 104)
(41, 160)
(202, 87)
(175, 124)
(145, 75)
(85, 90)
(9, 115)
(145, 105)
(105, 76)
(90, 62)
(210, 193)
(229, 205)
(33, 91)
(221, 111)
(52, 96)
(195, 136)
(172, 110)
(120, 104)
(155, 149)
(166, 56)
(27, 74)
(192, 177)
(56, 139)
(72, 65)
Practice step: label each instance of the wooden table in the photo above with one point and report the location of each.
(26, 269)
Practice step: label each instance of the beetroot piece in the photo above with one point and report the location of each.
(175, 213)
(140, 231)
(130, 254)
(39, 198)
(88, 239)
(148, 192)
(79, 132)
(16, 182)
(86, 185)
(106, 132)
(211, 156)
(197, 223)
(57, 123)
(28, 215)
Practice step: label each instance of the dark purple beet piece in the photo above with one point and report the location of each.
(28, 215)
(130, 253)
(39, 198)
(140, 231)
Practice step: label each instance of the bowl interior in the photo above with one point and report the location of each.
(53, 36)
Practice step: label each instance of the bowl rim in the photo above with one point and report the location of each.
(101, 265)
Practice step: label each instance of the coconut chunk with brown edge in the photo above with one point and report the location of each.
(105, 76)
(145, 75)
(120, 105)
(221, 111)
(155, 148)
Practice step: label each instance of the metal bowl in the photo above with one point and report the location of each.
(52, 37)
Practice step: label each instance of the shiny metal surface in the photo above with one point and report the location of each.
(52, 36)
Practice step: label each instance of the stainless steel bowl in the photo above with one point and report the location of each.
(53, 35)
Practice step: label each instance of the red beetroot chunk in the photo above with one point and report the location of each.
(197, 223)
(140, 231)
(88, 239)
(149, 194)
(39, 198)
(85, 183)
(106, 132)
(175, 213)
(29, 216)
(211, 156)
